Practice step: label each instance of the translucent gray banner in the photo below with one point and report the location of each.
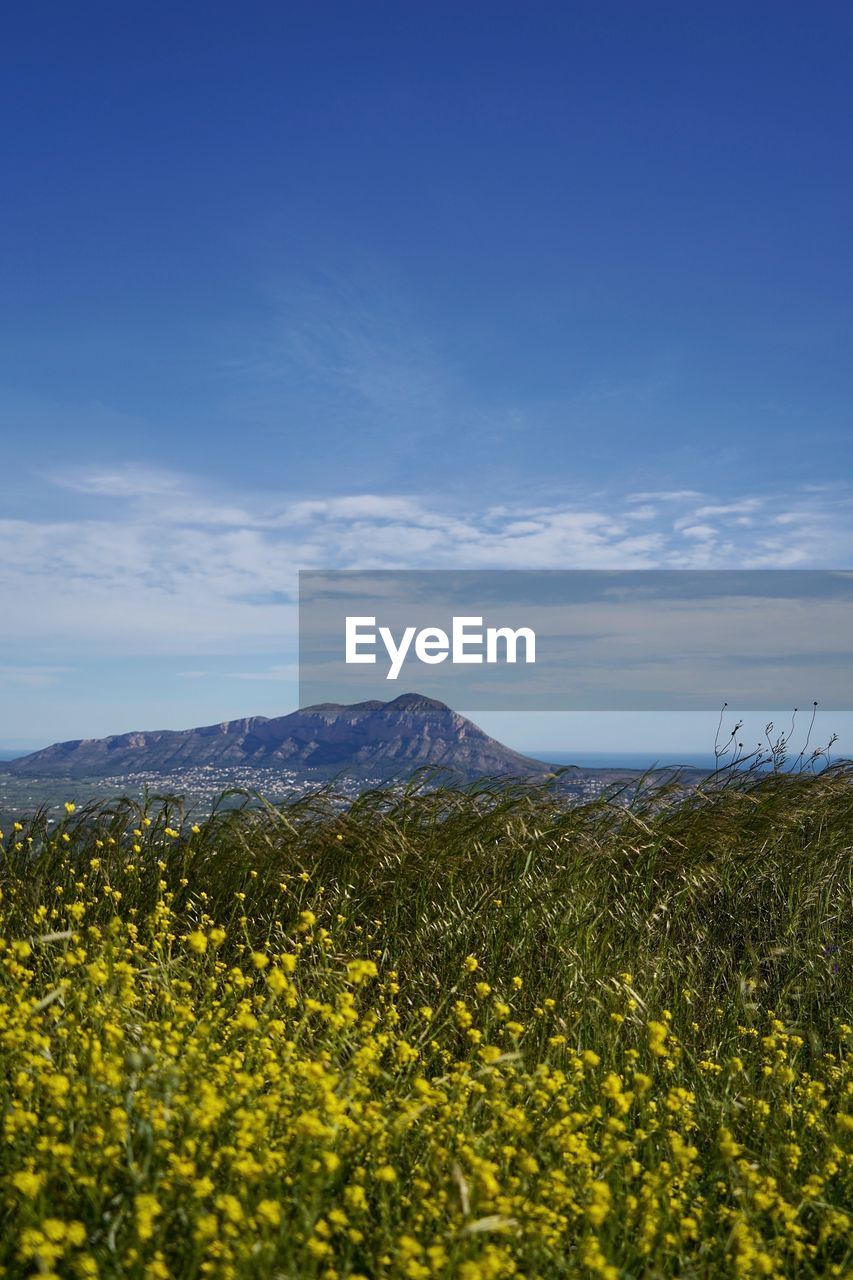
(579, 640)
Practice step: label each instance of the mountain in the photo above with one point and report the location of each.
(365, 739)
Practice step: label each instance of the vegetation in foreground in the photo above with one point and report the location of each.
(463, 1034)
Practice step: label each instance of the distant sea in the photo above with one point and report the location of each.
(624, 759)
(7, 753)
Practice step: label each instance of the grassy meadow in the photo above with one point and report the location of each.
(467, 1033)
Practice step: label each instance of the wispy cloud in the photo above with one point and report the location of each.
(665, 495)
(288, 672)
(352, 340)
(33, 677)
(127, 481)
(173, 568)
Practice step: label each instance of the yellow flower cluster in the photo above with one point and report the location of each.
(177, 1102)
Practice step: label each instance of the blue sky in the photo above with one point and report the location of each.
(421, 285)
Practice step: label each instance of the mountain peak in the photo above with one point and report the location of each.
(419, 700)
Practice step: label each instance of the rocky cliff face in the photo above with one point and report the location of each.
(366, 738)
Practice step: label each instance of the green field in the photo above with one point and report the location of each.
(474, 1034)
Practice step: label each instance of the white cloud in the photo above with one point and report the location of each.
(179, 568)
(701, 532)
(742, 507)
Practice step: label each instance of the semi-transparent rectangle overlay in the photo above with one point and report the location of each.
(579, 640)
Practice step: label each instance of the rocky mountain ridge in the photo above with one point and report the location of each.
(376, 739)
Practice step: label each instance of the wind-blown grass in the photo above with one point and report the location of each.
(473, 1034)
